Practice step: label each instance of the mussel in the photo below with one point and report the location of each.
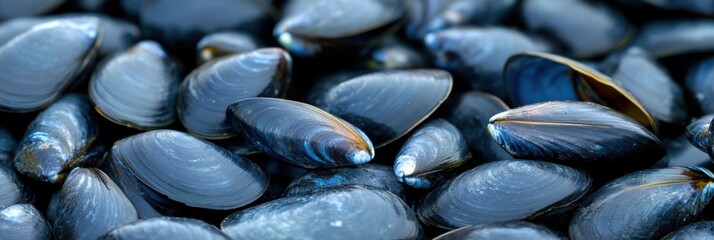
(386, 105)
(61, 138)
(373, 175)
(393, 54)
(166, 228)
(700, 85)
(428, 16)
(12, 190)
(11, 28)
(676, 37)
(352, 212)
(505, 230)
(299, 133)
(221, 44)
(695, 6)
(166, 172)
(431, 155)
(698, 230)
(23, 221)
(137, 88)
(576, 133)
(500, 191)
(88, 205)
(644, 205)
(7, 148)
(32, 77)
(208, 90)
(699, 133)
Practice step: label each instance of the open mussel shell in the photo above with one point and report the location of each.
(700, 85)
(431, 154)
(220, 44)
(165, 171)
(397, 101)
(23, 221)
(649, 83)
(311, 27)
(373, 175)
(644, 205)
(576, 133)
(478, 55)
(12, 190)
(7, 148)
(61, 138)
(699, 134)
(34, 76)
(299, 133)
(352, 212)
(470, 113)
(676, 37)
(698, 230)
(584, 28)
(88, 205)
(12, 9)
(137, 88)
(534, 77)
(499, 231)
(428, 16)
(501, 191)
(166, 228)
(208, 90)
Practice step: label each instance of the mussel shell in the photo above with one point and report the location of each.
(373, 175)
(207, 91)
(700, 86)
(221, 44)
(166, 228)
(33, 77)
(137, 88)
(168, 164)
(428, 16)
(61, 138)
(698, 132)
(299, 133)
(498, 231)
(585, 28)
(12, 190)
(644, 205)
(694, 6)
(576, 133)
(681, 153)
(698, 230)
(534, 77)
(88, 205)
(11, 28)
(478, 55)
(386, 105)
(7, 148)
(429, 155)
(676, 37)
(393, 54)
(500, 191)
(23, 221)
(353, 212)
(12, 9)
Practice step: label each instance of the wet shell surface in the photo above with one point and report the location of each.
(505, 230)
(23, 221)
(373, 175)
(166, 228)
(676, 37)
(699, 134)
(698, 230)
(428, 16)
(221, 44)
(12, 190)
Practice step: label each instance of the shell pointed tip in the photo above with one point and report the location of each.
(361, 157)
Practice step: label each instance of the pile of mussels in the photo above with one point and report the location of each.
(356, 119)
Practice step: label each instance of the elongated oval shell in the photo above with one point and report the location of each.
(207, 91)
(576, 133)
(497, 231)
(644, 205)
(698, 230)
(58, 140)
(698, 132)
(166, 228)
(299, 133)
(354, 212)
(137, 88)
(503, 191)
(676, 37)
(23, 221)
(429, 155)
(12, 190)
(32, 77)
(700, 86)
(398, 101)
(88, 205)
(373, 175)
(221, 44)
(428, 16)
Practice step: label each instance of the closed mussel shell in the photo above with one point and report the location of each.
(23, 221)
(644, 205)
(698, 230)
(137, 88)
(32, 77)
(88, 205)
(386, 105)
(699, 134)
(501, 191)
(352, 212)
(60, 138)
(166, 228)
(577, 134)
(11, 28)
(207, 91)
(299, 133)
(498, 231)
(12, 190)
(428, 16)
(7, 148)
(668, 38)
(534, 77)
(220, 44)
(700, 85)
(163, 171)
(431, 154)
(373, 175)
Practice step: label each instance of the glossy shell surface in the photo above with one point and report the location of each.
(373, 175)
(23, 221)
(166, 228)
